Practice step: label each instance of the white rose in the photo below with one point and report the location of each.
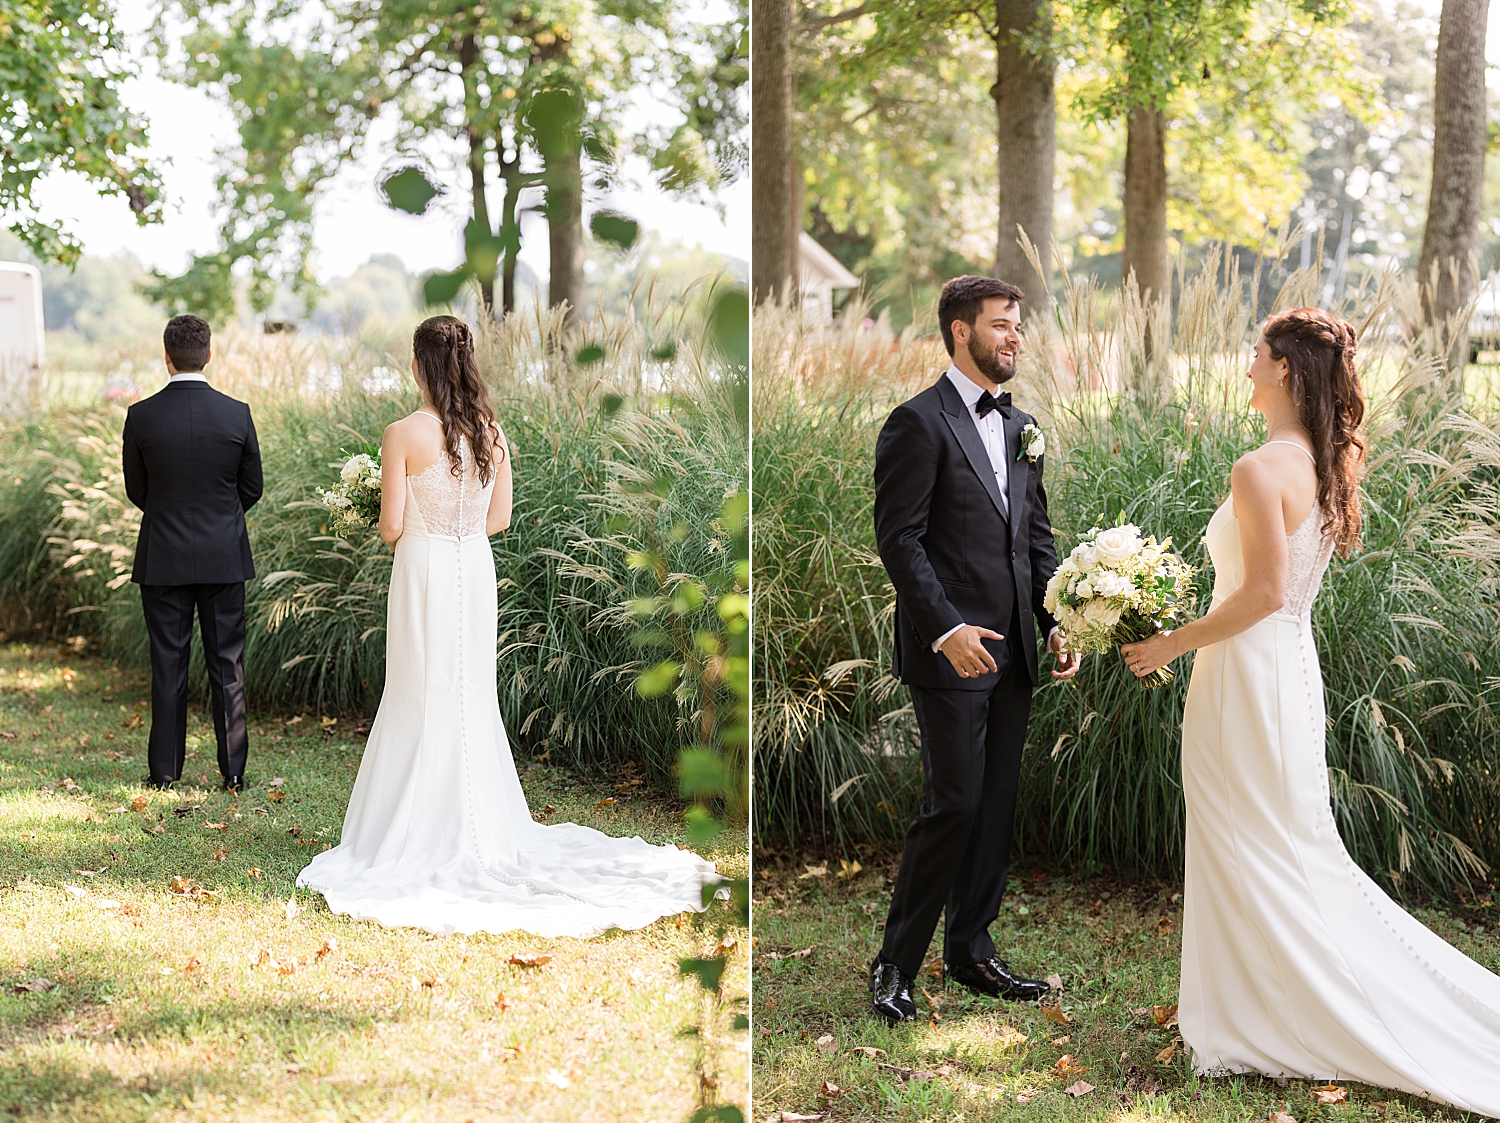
(1037, 446)
(1087, 556)
(1054, 587)
(1084, 589)
(1112, 585)
(1101, 614)
(352, 468)
(1117, 544)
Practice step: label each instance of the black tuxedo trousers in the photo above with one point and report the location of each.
(957, 851)
(169, 622)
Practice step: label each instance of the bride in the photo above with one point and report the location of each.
(438, 835)
(1294, 963)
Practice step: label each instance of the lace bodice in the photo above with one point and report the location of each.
(1308, 552)
(441, 503)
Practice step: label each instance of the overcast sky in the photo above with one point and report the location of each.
(351, 223)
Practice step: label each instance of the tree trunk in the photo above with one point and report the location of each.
(1451, 237)
(1026, 120)
(773, 242)
(1146, 204)
(481, 212)
(565, 283)
(510, 222)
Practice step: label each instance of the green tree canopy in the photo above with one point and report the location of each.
(61, 65)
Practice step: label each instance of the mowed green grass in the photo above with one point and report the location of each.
(225, 1003)
(1114, 944)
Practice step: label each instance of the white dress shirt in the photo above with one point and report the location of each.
(992, 432)
(188, 376)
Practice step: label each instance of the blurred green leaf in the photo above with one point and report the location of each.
(700, 773)
(616, 228)
(441, 288)
(708, 971)
(588, 355)
(665, 353)
(611, 404)
(702, 825)
(658, 680)
(729, 324)
(410, 190)
(740, 1022)
(723, 1113)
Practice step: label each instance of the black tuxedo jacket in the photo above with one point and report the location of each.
(192, 465)
(953, 555)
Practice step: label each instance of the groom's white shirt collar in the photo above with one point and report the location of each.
(969, 390)
(198, 376)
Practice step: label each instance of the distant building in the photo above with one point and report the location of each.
(820, 274)
(22, 336)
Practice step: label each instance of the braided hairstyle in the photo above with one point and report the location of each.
(1319, 352)
(443, 347)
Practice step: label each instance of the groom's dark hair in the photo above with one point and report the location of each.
(963, 299)
(186, 340)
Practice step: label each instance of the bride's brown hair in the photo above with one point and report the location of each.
(1324, 384)
(443, 347)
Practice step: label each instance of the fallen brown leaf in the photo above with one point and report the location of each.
(1057, 1014)
(1330, 1094)
(793, 1117)
(36, 986)
(1067, 1065)
(291, 909)
(848, 869)
(1055, 984)
(1169, 1054)
(181, 885)
(216, 826)
(830, 1090)
(253, 871)
(803, 954)
(289, 967)
(868, 1050)
(330, 945)
(1164, 1015)
(138, 803)
(500, 1003)
(275, 795)
(827, 1045)
(530, 960)
(603, 803)
(1080, 1088)
(192, 964)
(1065, 1039)
(814, 871)
(158, 829)
(1163, 925)
(220, 854)
(1283, 1116)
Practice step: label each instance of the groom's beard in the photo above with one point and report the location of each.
(993, 365)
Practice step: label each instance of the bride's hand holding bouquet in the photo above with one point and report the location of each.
(1118, 587)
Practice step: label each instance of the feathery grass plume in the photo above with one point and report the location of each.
(584, 409)
(1408, 628)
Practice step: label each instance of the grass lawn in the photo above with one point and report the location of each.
(1115, 946)
(176, 974)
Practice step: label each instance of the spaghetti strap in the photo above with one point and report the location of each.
(1294, 444)
(439, 420)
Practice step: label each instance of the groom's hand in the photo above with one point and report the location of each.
(1068, 662)
(968, 654)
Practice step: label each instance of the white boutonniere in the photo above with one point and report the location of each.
(1033, 443)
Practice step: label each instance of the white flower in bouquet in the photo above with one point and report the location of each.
(1118, 587)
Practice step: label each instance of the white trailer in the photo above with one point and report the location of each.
(22, 340)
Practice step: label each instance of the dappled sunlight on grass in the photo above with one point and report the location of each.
(176, 982)
(1115, 945)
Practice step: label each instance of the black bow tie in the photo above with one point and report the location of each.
(988, 401)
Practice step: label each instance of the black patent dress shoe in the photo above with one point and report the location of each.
(156, 783)
(994, 978)
(890, 993)
(233, 784)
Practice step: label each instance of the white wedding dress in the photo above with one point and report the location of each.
(1294, 962)
(438, 834)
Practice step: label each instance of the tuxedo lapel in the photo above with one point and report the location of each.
(969, 440)
(1018, 469)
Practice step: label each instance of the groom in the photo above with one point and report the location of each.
(192, 465)
(961, 524)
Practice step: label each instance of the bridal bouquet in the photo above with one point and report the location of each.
(1117, 587)
(354, 502)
